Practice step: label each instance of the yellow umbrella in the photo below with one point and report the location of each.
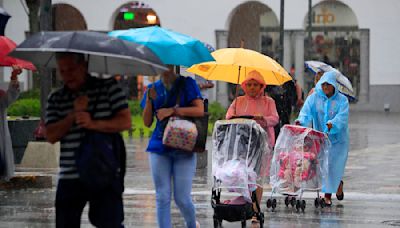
(233, 64)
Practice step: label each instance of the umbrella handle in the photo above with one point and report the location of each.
(237, 89)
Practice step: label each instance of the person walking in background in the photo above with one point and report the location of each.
(328, 111)
(317, 77)
(205, 86)
(284, 97)
(7, 166)
(171, 168)
(70, 113)
(262, 108)
(299, 95)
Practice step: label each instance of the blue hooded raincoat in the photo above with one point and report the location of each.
(319, 110)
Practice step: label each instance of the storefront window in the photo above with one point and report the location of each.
(335, 40)
(340, 49)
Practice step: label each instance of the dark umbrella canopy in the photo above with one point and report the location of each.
(4, 16)
(105, 54)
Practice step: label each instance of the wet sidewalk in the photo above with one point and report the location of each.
(372, 188)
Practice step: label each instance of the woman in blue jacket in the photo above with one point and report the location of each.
(328, 111)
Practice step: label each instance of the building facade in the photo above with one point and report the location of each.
(356, 36)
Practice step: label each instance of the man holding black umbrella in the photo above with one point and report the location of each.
(86, 116)
(84, 103)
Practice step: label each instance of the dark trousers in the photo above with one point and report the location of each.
(105, 207)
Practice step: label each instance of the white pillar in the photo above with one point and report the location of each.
(364, 66)
(287, 50)
(220, 91)
(299, 57)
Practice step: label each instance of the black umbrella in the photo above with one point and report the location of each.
(4, 16)
(105, 54)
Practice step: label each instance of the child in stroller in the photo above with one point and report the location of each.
(299, 164)
(240, 163)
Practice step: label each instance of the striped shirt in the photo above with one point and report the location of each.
(110, 100)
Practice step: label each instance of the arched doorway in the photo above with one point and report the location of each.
(257, 25)
(253, 22)
(335, 39)
(67, 18)
(135, 14)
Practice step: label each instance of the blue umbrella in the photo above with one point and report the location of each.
(171, 47)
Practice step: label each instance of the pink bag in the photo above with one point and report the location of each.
(180, 134)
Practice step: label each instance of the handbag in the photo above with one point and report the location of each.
(180, 134)
(101, 160)
(186, 133)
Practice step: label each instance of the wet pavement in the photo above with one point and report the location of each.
(372, 188)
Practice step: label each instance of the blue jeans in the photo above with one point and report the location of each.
(179, 167)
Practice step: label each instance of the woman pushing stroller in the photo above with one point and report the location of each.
(328, 111)
(261, 107)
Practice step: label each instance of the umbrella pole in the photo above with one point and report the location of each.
(237, 89)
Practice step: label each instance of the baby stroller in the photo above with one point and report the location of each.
(299, 164)
(240, 164)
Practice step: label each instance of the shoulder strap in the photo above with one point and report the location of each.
(179, 87)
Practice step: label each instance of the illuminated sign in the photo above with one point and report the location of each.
(129, 16)
(324, 17)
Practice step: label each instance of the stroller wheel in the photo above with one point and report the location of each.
(287, 201)
(316, 202)
(322, 202)
(293, 201)
(260, 218)
(217, 222)
(216, 225)
(273, 204)
(298, 205)
(261, 224)
(269, 203)
(261, 215)
(303, 205)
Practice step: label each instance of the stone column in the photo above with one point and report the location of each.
(299, 57)
(363, 97)
(220, 91)
(287, 56)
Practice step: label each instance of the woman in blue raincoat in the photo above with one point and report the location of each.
(328, 111)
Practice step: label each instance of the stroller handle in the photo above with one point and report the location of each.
(243, 117)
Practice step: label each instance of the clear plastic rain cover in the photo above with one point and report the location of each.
(241, 156)
(300, 160)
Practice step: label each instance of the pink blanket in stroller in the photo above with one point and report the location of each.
(297, 165)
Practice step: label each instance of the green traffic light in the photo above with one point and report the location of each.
(129, 16)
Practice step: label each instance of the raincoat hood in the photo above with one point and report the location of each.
(330, 78)
(256, 76)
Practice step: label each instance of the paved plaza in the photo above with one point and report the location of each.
(372, 188)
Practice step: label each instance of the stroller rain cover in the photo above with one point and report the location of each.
(241, 156)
